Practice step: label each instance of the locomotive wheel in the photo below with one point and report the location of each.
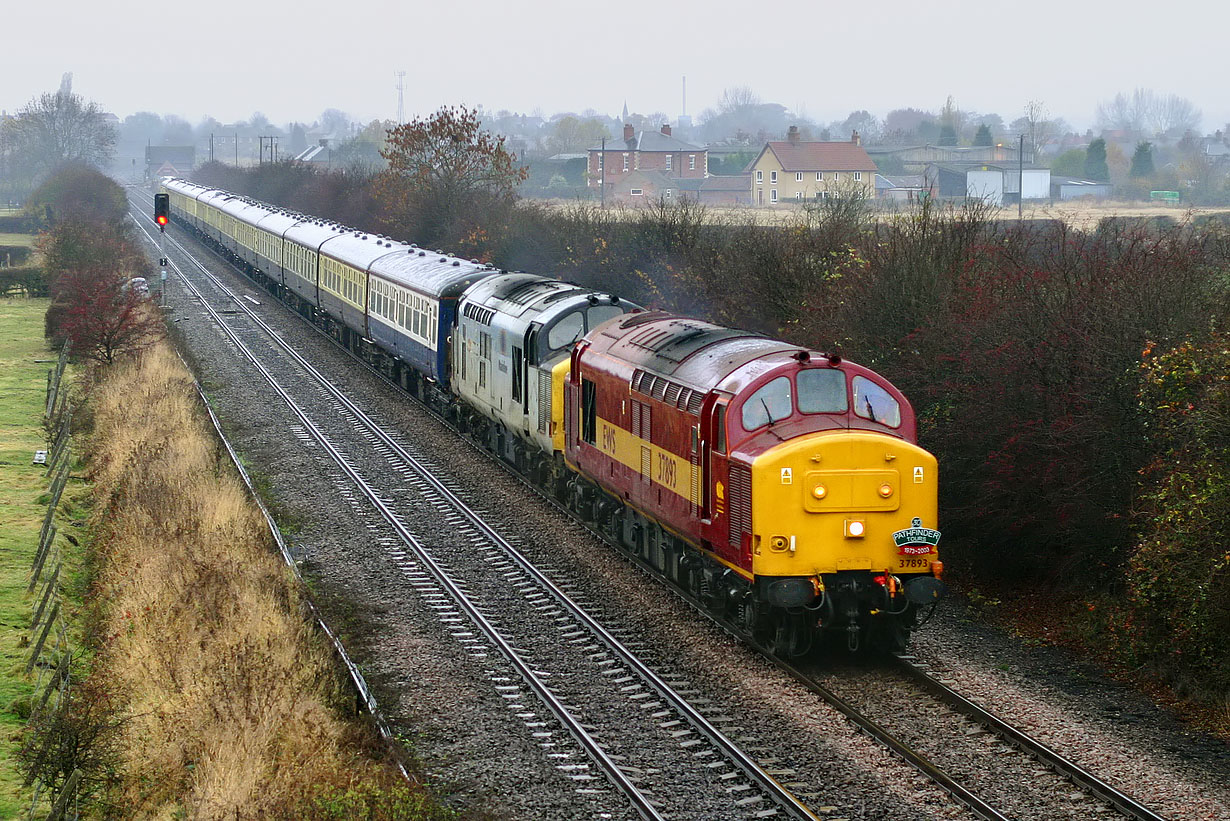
(788, 637)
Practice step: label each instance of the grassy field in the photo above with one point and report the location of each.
(25, 240)
(22, 394)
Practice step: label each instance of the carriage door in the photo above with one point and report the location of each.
(714, 457)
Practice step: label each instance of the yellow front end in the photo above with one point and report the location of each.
(832, 501)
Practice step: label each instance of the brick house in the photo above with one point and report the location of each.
(644, 187)
(650, 151)
(795, 170)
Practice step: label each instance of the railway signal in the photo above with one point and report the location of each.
(162, 210)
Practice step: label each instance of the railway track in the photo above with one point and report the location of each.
(470, 585)
(906, 666)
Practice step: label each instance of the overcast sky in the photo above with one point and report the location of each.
(291, 60)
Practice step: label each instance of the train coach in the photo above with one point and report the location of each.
(782, 487)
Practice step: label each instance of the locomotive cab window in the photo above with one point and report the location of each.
(569, 329)
(772, 403)
(822, 391)
(873, 402)
(601, 313)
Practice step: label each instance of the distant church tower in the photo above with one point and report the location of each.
(624, 117)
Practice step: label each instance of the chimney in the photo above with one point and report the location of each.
(629, 132)
(855, 138)
(666, 129)
(793, 134)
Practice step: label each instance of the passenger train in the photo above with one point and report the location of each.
(781, 487)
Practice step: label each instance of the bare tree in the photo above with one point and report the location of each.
(57, 129)
(1173, 115)
(738, 99)
(1146, 110)
(1038, 127)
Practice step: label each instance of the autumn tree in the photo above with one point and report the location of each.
(58, 129)
(95, 306)
(445, 172)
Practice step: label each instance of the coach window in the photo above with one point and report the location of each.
(822, 390)
(589, 411)
(873, 402)
(768, 405)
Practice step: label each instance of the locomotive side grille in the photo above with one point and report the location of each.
(659, 389)
(694, 402)
(544, 401)
(672, 393)
(646, 464)
(740, 503)
(636, 418)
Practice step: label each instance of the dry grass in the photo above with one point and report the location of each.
(227, 691)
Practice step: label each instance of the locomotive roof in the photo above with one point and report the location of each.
(692, 352)
(430, 272)
(518, 294)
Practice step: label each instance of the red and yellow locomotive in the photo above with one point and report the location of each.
(780, 486)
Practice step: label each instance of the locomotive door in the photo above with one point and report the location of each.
(714, 457)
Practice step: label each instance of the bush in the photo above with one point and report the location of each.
(1178, 603)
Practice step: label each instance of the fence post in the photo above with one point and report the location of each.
(44, 549)
(70, 788)
(42, 605)
(38, 648)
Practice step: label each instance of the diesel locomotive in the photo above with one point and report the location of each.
(783, 488)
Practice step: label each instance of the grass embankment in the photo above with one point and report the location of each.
(230, 700)
(22, 399)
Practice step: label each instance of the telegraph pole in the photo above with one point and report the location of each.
(401, 99)
(1020, 180)
(602, 175)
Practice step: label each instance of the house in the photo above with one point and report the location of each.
(1070, 188)
(795, 170)
(655, 151)
(994, 184)
(180, 158)
(907, 188)
(644, 187)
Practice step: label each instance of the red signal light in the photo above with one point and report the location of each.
(162, 209)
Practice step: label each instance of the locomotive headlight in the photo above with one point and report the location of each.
(886, 490)
(819, 491)
(855, 528)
